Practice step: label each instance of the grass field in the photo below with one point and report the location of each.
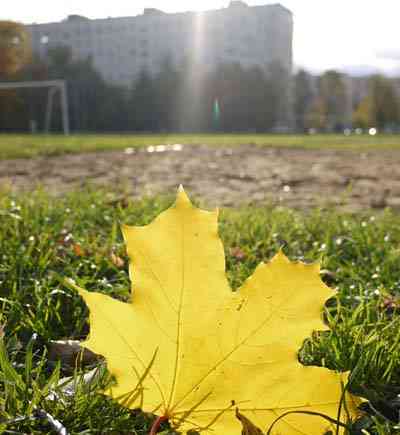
(78, 236)
(15, 146)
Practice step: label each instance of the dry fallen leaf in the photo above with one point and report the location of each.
(237, 253)
(70, 353)
(78, 250)
(117, 261)
(212, 350)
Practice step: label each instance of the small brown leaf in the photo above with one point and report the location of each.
(78, 250)
(120, 201)
(70, 352)
(237, 253)
(117, 261)
(328, 273)
(390, 304)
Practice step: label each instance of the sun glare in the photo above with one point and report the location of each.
(199, 37)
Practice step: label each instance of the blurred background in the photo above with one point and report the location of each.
(295, 66)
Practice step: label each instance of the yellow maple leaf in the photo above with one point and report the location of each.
(211, 350)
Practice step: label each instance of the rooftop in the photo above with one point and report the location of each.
(234, 4)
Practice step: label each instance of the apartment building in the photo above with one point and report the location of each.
(121, 47)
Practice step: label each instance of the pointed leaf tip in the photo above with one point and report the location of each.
(280, 256)
(182, 199)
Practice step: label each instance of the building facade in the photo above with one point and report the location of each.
(121, 48)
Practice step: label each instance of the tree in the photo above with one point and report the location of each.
(257, 116)
(227, 86)
(303, 99)
(94, 104)
(14, 53)
(279, 95)
(13, 111)
(143, 104)
(244, 96)
(385, 110)
(333, 94)
(363, 114)
(167, 87)
(14, 47)
(317, 115)
(380, 107)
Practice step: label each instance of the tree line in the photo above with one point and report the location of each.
(334, 101)
(230, 98)
(183, 99)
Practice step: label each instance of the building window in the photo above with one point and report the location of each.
(44, 39)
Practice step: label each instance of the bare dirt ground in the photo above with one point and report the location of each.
(224, 176)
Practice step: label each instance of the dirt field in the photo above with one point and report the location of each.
(225, 176)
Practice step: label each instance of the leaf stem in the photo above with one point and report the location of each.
(157, 423)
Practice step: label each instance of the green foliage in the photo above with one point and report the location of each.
(94, 105)
(328, 108)
(171, 100)
(143, 102)
(362, 116)
(78, 236)
(181, 98)
(34, 399)
(381, 107)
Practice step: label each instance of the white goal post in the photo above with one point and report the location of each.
(54, 86)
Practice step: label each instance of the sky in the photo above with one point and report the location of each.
(352, 35)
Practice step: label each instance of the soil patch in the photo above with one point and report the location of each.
(225, 176)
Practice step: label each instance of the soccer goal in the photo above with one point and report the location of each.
(54, 86)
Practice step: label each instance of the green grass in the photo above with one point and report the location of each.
(38, 244)
(15, 146)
